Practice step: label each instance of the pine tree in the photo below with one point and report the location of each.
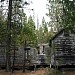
(68, 17)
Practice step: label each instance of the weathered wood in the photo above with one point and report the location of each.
(63, 48)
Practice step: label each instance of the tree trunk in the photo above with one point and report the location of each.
(13, 59)
(24, 57)
(8, 64)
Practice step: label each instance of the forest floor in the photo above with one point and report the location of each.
(37, 72)
(19, 72)
(69, 73)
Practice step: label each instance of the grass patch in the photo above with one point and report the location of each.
(53, 72)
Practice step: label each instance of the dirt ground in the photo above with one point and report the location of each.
(38, 72)
(69, 73)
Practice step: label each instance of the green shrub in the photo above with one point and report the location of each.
(53, 72)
